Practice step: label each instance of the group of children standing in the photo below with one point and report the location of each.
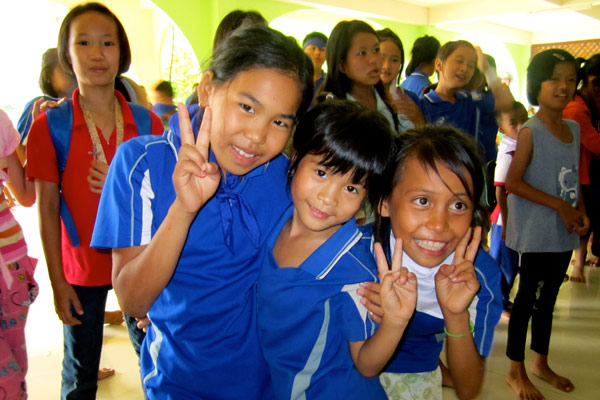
(250, 267)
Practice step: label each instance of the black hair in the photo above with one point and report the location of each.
(541, 68)
(449, 47)
(340, 41)
(49, 64)
(262, 47)
(587, 68)
(430, 145)
(235, 20)
(349, 137)
(63, 36)
(314, 35)
(424, 51)
(386, 34)
(165, 88)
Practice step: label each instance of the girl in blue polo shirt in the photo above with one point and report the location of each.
(432, 206)
(317, 337)
(186, 219)
(448, 103)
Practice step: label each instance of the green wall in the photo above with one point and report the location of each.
(199, 19)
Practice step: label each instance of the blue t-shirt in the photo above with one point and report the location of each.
(423, 339)
(470, 111)
(203, 340)
(307, 315)
(416, 82)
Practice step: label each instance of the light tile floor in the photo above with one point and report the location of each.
(574, 349)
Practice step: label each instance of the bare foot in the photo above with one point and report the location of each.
(560, 382)
(113, 317)
(577, 277)
(104, 373)
(446, 377)
(520, 384)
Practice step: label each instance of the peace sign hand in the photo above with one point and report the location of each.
(456, 284)
(398, 286)
(195, 178)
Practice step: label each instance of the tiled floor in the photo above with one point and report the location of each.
(574, 349)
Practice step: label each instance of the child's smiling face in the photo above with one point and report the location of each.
(252, 117)
(431, 213)
(323, 200)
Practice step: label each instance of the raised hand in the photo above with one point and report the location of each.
(405, 106)
(195, 178)
(42, 105)
(456, 284)
(398, 286)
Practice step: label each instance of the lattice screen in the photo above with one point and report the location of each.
(580, 48)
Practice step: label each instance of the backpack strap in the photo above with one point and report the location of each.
(60, 124)
(141, 115)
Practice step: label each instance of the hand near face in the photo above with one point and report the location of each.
(398, 286)
(456, 284)
(195, 178)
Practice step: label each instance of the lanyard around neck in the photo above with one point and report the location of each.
(98, 150)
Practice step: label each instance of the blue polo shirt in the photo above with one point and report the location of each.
(423, 339)
(416, 82)
(466, 113)
(203, 341)
(307, 315)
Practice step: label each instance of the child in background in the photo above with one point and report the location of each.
(315, 45)
(449, 103)
(583, 109)
(546, 216)
(162, 102)
(421, 65)
(509, 122)
(354, 63)
(433, 207)
(316, 336)
(18, 288)
(93, 47)
(404, 104)
(186, 219)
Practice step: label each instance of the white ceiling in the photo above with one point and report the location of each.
(516, 21)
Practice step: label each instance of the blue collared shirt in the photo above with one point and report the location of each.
(203, 339)
(307, 315)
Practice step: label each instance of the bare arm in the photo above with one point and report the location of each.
(141, 273)
(501, 198)
(503, 98)
(456, 286)
(515, 184)
(19, 186)
(399, 298)
(49, 216)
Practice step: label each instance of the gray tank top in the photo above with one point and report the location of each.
(531, 227)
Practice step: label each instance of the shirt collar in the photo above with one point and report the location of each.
(79, 121)
(433, 97)
(322, 260)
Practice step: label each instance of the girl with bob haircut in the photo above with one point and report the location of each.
(93, 48)
(353, 68)
(546, 216)
(186, 215)
(317, 337)
(431, 213)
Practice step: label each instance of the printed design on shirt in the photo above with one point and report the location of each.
(567, 184)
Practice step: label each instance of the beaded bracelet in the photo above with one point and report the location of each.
(471, 330)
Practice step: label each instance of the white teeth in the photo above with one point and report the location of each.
(430, 244)
(243, 153)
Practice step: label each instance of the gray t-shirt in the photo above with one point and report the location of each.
(531, 227)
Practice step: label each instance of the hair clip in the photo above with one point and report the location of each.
(559, 56)
(329, 96)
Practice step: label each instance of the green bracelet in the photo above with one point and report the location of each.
(471, 330)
